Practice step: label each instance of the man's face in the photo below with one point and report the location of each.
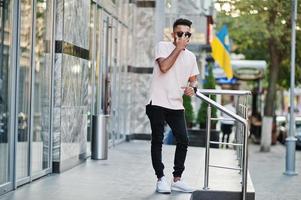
(181, 31)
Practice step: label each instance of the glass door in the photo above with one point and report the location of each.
(24, 91)
(105, 68)
(34, 90)
(114, 66)
(41, 89)
(104, 54)
(121, 81)
(91, 86)
(95, 80)
(106, 72)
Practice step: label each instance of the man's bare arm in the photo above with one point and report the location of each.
(166, 63)
(189, 91)
(193, 81)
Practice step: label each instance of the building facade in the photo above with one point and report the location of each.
(61, 62)
(64, 61)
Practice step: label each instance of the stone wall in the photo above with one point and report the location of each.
(71, 77)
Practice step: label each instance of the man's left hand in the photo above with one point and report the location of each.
(189, 91)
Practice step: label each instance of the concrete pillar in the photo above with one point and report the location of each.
(159, 20)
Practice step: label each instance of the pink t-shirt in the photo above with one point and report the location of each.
(166, 88)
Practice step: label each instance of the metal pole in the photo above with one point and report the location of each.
(237, 129)
(245, 163)
(15, 85)
(245, 154)
(206, 179)
(52, 52)
(291, 140)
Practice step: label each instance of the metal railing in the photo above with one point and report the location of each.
(241, 131)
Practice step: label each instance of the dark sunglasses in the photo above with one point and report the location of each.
(180, 34)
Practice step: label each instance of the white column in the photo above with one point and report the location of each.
(159, 20)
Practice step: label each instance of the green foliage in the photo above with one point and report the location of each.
(202, 113)
(189, 114)
(262, 30)
(254, 24)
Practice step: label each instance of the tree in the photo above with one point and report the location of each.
(202, 114)
(261, 30)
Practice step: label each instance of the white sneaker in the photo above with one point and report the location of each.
(181, 186)
(163, 186)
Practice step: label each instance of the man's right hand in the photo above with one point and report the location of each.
(181, 43)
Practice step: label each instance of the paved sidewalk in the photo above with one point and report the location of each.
(267, 174)
(128, 175)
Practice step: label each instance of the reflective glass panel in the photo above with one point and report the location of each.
(23, 93)
(5, 47)
(42, 87)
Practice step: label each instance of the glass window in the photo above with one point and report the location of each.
(23, 92)
(5, 46)
(42, 87)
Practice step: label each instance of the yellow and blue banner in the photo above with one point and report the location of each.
(220, 46)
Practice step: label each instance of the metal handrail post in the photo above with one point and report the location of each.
(245, 163)
(207, 154)
(244, 114)
(245, 155)
(237, 129)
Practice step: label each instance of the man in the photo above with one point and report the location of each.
(227, 122)
(174, 74)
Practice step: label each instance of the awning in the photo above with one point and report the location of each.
(244, 69)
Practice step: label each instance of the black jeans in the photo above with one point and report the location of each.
(227, 130)
(176, 120)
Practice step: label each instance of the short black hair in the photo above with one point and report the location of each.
(182, 21)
